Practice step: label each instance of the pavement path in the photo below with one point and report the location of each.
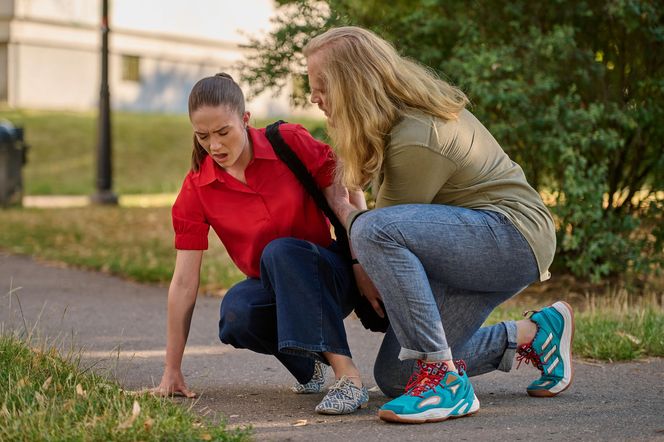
(120, 327)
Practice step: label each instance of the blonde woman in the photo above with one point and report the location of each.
(456, 231)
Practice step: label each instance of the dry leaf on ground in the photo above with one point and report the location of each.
(135, 411)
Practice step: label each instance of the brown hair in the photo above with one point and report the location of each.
(219, 90)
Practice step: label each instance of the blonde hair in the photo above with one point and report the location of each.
(369, 86)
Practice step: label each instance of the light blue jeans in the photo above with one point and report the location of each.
(441, 270)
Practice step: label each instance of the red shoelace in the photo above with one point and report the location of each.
(528, 355)
(429, 375)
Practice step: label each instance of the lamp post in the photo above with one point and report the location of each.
(104, 194)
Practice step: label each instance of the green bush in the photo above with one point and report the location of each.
(574, 92)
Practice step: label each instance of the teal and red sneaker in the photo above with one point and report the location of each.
(551, 350)
(433, 394)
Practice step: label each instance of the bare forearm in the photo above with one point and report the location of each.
(181, 303)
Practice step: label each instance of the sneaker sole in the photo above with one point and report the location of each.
(567, 313)
(391, 416)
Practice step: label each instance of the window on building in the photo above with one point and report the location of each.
(131, 68)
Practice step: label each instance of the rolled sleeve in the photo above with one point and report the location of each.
(189, 223)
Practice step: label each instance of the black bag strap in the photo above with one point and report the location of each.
(286, 154)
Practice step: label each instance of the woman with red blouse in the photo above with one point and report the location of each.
(299, 287)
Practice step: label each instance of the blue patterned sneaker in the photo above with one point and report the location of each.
(315, 385)
(551, 350)
(433, 394)
(344, 397)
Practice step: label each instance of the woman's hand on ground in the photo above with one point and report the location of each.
(172, 384)
(368, 289)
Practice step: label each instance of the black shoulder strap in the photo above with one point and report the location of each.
(286, 154)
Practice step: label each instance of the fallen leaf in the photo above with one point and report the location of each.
(22, 382)
(206, 436)
(79, 390)
(47, 383)
(299, 423)
(135, 411)
(234, 415)
(4, 410)
(148, 424)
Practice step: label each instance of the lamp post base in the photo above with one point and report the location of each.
(104, 198)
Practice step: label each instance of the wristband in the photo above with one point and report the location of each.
(354, 261)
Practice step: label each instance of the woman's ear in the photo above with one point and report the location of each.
(245, 118)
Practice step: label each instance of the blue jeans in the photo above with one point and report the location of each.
(295, 310)
(441, 270)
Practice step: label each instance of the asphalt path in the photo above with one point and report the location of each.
(118, 327)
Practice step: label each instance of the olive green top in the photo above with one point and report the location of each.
(459, 163)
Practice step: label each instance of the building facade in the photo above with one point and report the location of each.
(50, 52)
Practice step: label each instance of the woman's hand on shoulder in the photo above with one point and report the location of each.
(172, 384)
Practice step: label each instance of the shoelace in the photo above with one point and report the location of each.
(429, 376)
(344, 386)
(526, 352)
(528, 355)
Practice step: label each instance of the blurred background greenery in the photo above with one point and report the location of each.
(573, 91)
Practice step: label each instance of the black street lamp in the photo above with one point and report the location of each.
(104, 194)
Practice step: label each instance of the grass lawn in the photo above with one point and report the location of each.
(151, 152)
(46, 397)
(610, 327)
(136, 243)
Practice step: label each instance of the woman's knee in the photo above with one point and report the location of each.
(388, 382)
(281, 250)
(390, 373)
(375, 228)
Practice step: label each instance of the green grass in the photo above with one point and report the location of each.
(46, 397)
(612, 327)
(136, 243)
(151, 152)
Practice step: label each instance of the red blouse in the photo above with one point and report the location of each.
(272, 204)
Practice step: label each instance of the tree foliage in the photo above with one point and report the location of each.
(573, 90)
